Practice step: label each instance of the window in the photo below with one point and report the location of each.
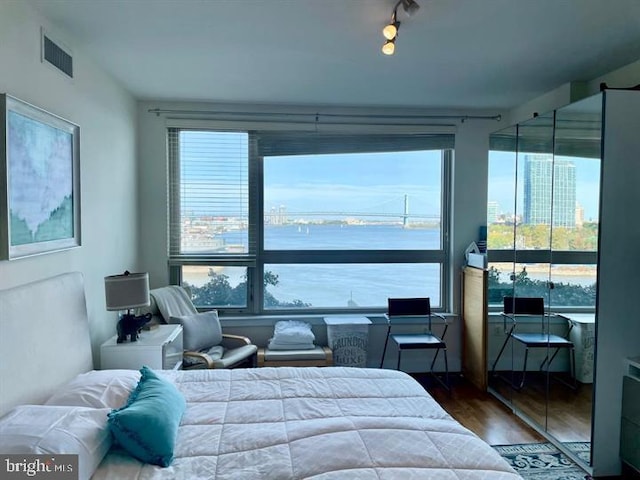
(274, 222)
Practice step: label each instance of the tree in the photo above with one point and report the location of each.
(219, 292)
(563, 294)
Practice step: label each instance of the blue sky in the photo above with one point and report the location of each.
(357, 183)
(361, 183)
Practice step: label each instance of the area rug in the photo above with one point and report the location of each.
(581, 449)
(540, 461)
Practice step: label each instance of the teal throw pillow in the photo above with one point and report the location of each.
(147, 426)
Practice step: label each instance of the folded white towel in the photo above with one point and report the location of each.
(292, 335)
(293, 332)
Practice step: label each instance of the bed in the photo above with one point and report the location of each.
(266, 423)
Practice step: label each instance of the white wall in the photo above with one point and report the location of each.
(106, 115)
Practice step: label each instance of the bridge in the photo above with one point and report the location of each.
(379, 210)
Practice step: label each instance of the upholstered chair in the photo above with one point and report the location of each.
(205, 346)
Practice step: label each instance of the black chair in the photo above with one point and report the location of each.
(514, 307)
(415, 311)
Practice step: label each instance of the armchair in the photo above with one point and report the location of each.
(205, 346)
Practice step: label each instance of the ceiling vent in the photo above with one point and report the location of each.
(56, 55)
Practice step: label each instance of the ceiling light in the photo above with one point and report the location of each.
(389, 47)
(391, 30)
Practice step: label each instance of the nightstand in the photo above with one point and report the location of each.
(159, 348)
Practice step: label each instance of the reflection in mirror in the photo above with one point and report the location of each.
(532, 254)
(501, 221)
(543, 196)
(577, 143)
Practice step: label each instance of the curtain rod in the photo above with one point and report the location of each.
(317, 115)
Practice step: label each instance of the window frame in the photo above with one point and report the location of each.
(258, 257)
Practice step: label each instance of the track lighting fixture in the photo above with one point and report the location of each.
(390, 31)
(409, 6)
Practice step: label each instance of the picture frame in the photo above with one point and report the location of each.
(40, 180)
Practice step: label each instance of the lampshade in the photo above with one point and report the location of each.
(129, 290)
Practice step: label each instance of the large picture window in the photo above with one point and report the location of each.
(271, 222)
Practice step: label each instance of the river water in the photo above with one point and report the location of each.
(340, 285)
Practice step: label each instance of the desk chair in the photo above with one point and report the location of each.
(415, 311)
(514, 307)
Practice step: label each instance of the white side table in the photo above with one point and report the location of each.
(159, 348)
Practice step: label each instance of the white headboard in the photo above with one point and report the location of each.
(44, 338)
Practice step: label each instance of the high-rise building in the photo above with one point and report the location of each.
(282, 215)
(564, 193)
(544, 191)
(276, 216)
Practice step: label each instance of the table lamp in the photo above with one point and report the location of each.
(126, 292)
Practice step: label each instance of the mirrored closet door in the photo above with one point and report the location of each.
(573, 272)
(542, 223)
(561, 227)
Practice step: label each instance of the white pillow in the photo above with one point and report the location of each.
(97, 389)
(200, 331)
(44, 429)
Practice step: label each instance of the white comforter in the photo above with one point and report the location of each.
(320, 423)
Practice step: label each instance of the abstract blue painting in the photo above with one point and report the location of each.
(42, 182)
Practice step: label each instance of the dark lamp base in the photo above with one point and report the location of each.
(130, 325)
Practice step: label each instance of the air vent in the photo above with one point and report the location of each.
(57, 56)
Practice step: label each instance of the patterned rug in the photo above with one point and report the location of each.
(543, 461)
(581, 449)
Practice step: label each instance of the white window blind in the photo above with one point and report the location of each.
(209, 193)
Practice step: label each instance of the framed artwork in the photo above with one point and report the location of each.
(40, 165)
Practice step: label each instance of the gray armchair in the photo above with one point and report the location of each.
(205, 346)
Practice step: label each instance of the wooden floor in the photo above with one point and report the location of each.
(489, 418)
(480, 412)
(563, 412)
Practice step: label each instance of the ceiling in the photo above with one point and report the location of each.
(450, 54)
